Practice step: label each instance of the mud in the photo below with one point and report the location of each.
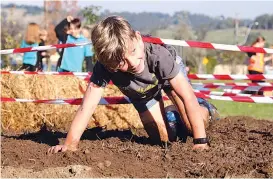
(240, 147)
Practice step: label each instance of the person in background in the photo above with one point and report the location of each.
(41, 54)
(256, 62)
(89, 61)
(31, 40)
(71, 59)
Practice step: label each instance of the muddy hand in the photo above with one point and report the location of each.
(57, 148)
(200, 147)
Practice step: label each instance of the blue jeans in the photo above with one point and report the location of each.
(144, 106)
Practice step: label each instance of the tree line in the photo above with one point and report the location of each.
(147, 21)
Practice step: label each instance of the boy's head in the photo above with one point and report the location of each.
(74, 27)
(117, 46)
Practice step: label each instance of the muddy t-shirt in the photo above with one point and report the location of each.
(160, 66)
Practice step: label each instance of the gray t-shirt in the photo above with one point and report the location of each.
(160, 66)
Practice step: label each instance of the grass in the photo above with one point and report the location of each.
(226, 36)
(259, 111)
(222, 36)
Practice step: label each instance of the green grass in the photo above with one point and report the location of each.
(222, 36)
(259, 111)
(226, 36)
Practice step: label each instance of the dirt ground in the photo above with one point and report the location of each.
(240, 147)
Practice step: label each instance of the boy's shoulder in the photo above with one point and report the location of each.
(159, 50)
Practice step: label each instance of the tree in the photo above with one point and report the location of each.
(265, 21)
(11, 36)
(192, 56)
(90, 14)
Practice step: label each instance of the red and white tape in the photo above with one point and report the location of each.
(47, 73)
(218, 93)
(191, 76)
(229, 77)
(208, 45)
(74, 101)
(125, 100)
(245, 88)
(41, 48)
(184, 43)
(235, 84)
(252, 99)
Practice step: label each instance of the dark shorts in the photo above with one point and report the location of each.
(28, 67)
(144, 106)
(62, 70)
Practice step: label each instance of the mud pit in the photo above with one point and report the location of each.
(240, 147)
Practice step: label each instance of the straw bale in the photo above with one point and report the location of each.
(19, 117)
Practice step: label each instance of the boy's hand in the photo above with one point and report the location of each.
(69, 18)
(60, 148)
(200, 147)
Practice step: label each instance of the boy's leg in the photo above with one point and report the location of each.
(207, 111)
(181, 108)
(152, 116)
(213, 113)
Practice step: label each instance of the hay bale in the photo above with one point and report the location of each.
(29, 117)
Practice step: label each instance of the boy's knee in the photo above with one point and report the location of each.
(155, 132)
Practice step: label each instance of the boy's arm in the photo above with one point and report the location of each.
(59, 30)
(191, 105)
(90, 101)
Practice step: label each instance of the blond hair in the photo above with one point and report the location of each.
(32, 33)
(110, 39)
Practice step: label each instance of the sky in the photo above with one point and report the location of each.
(240, 9)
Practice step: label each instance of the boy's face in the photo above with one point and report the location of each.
(134, 57)
(74, 31)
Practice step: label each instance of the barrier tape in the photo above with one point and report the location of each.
(208, 45)
(125, 100)
(218, 93)
(41, 48)
(236, 84)
(184, 43)
(245, 88)
(229, 77)
(264, 100)
(191, 76)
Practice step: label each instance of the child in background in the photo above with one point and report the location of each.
(71, 59)
(257, 61)
(89, 61)
(41, 54)
(31, 40)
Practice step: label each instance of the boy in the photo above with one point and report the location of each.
(69, 31)
(140, 70)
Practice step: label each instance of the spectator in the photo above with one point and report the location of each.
(31, 40)
(88, 60)
(71, 59)
(256, 62)
(41, 54)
